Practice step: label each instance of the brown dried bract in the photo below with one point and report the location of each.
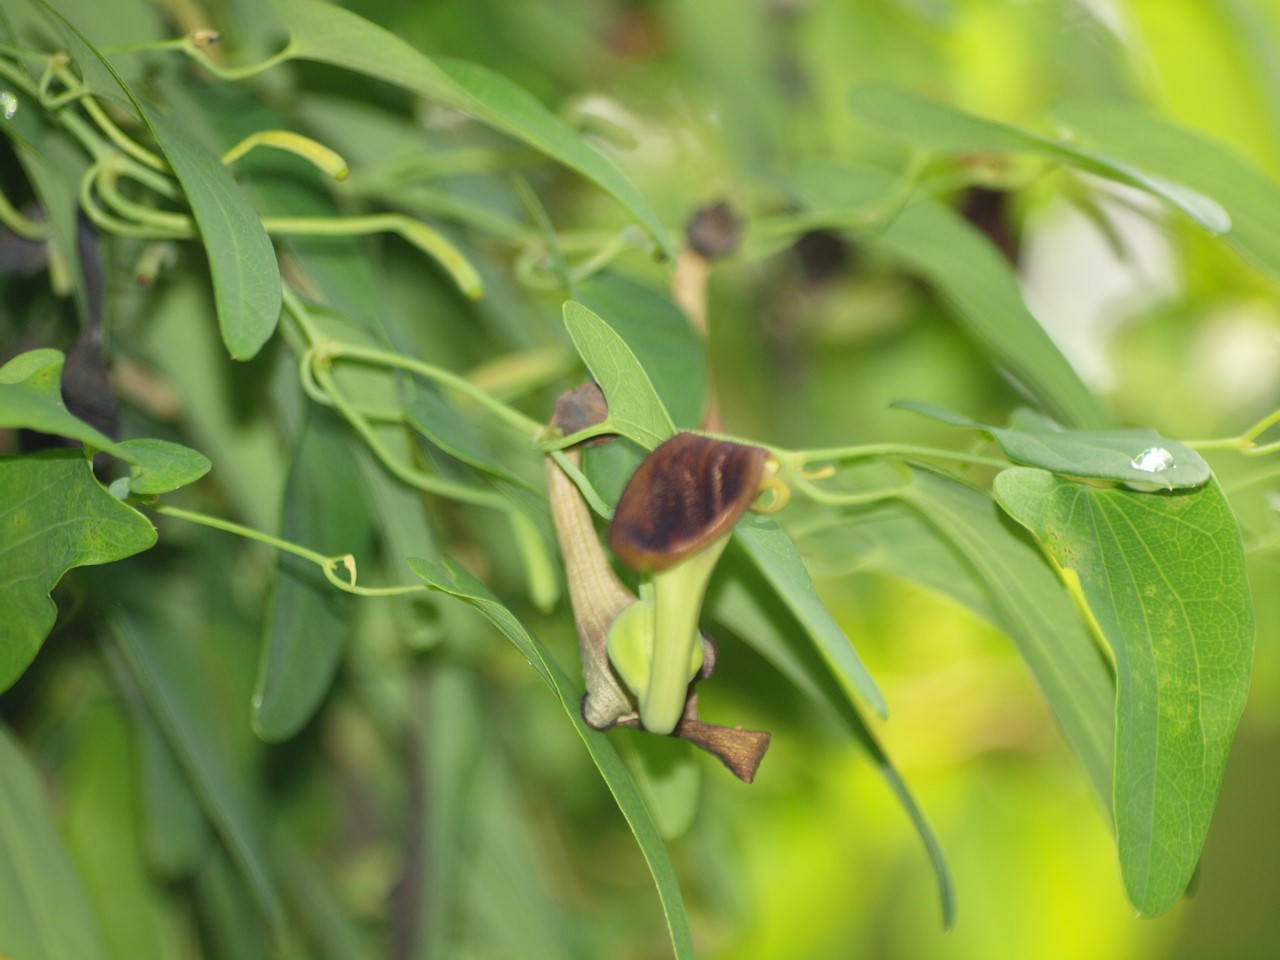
(580, 408)
(714, 231)
(686, 495)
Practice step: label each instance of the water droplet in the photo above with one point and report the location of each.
(8, 103)
(1153, 460)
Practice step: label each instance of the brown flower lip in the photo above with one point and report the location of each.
(687, 494)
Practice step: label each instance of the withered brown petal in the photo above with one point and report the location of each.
(580, 408)
(686, 494)
(714, 231)
(739, 750)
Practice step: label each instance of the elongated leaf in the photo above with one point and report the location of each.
(893, 539)
(31, 398)
(746, 605)
(660, 336)
(453, 580)
(309, 620)
(1034, 610)
(1127, 456)
(970, 275)
(175, 832)
(161, 466)
(44, 914)
(448, 723)
(1164, 577)
(53, 516)
(668, 777)
(332, 933)
(1250, 198)
(775, 556)
(939, 126)
(166, 678)
(54, 164)
(635, 409)
(440, 422)
(242, 262)
(329, 34)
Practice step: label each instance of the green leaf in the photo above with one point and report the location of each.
(31, 399)
(1163, 576)
(309, 620)
(1249, 197)
(745, 604)
(775, 556)
(44, 913)
(1098, 454)
(968, 273)
(329, 34)
(433, 416)
(453, 580)
(1031, 606)
(669, 778)
(447, 717)
(161, 467)
(175, 831)
(169, 682)
(660, 336)
(53, 516)
(54, 164)
(242, 262)
(939, 126)
(635, 410)
(894, 540)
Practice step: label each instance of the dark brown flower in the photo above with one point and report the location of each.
(687, 494)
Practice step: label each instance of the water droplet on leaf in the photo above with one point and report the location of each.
(9, 104)
(1153, 460)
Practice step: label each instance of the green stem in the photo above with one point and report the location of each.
(413, 477)
(21, 53)
(78, 91)
(326, 564)
(382, 358)
(248, 533)
(831, 498)
(569, 440)
(23, 226)
(798, 459)
(144, 46)
(559, 265)
(302, 318)
(1246, 442)
(589, 493)
(437, 203)
(328, 162)
(236, 73)
(18, 77)
(110, 223)
(429, 241)
(318, 362)
(175, 225)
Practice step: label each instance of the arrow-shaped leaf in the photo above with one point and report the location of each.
(1163, 576)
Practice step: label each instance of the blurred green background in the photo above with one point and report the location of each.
(702, 100)
(815, 860)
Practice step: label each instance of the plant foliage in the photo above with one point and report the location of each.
(319, 424)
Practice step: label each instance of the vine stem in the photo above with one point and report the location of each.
(1246, 443)
(326, 564)
(334, 350)
(316, 362)
(413, 477)
(799, 459)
